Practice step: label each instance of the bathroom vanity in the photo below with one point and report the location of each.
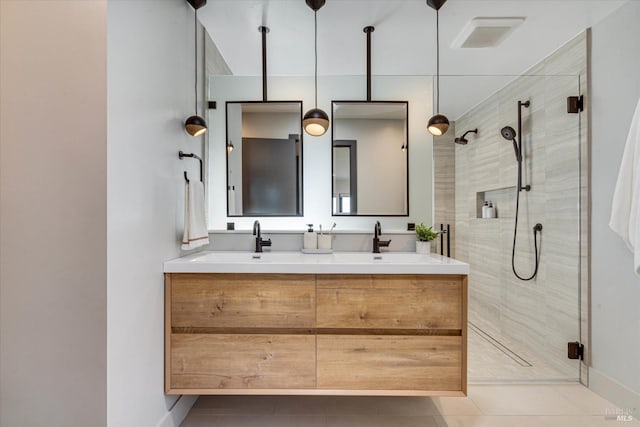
(338, 324)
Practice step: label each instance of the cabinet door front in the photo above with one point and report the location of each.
(389, 302)
(243, 301)
(224, 361)
(390, 362)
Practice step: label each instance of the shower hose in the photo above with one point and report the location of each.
(536, 229)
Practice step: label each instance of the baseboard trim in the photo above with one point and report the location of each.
(613, 391)
(178, 412)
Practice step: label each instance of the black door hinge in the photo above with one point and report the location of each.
(575, 104)
(212, 105)
(575, 350)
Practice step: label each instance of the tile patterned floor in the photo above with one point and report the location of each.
(490, 405)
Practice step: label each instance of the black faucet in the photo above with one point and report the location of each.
(377, 243)
(260, 242)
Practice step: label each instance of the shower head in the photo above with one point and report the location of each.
(462, 140)
(509, 134)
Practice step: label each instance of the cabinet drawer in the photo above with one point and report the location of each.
(228, 361)
(243, 301)
(389, 302)
(390, 362)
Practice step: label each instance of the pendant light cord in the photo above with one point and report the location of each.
(195, 42)
(437, 61)
(315, 36)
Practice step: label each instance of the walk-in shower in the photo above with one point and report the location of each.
(519, 329)
(509, 134)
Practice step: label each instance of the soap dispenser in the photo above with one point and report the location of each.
(491, 211)
(310, 238)
(485, 208)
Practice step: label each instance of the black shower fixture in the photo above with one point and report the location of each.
(462, 140)
(509, 134)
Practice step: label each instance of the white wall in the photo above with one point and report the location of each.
(272, 125)
(615, 289)
(150, 83)
(234, 175)
(53, 225)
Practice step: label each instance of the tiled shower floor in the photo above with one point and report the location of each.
(495, 361)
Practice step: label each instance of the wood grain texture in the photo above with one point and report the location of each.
(211, 361)
(465, 336)
(311, 392)
(243, 300)
(396, 335)
(167, 333)
(389, 362)
(390, 301)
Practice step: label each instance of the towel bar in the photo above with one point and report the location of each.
(181, 155)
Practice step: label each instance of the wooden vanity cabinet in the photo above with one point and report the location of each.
(315, 334)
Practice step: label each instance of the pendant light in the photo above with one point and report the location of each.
(315, 121)
(195, 125)
(438, 124)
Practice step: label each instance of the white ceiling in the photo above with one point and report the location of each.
(404, 39)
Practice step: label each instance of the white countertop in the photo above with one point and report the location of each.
(299, 263)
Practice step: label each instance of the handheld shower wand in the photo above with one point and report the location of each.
(510, 134)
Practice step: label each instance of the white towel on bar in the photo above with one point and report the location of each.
(625, 209)
(195, 223)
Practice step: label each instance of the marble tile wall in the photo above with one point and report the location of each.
(543, 314)
(444, 186)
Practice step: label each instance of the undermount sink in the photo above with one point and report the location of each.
(297, 262)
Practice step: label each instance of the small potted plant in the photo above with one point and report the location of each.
(425, 235)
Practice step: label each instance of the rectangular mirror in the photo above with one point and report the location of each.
(370, 166)
(264, 158)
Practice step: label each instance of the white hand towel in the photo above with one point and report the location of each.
(625, 209)
(195, 223)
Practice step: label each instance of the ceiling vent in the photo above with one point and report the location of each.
(486, 32)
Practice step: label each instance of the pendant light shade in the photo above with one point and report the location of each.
(315, 122)
(195, 125)
(438, 124)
